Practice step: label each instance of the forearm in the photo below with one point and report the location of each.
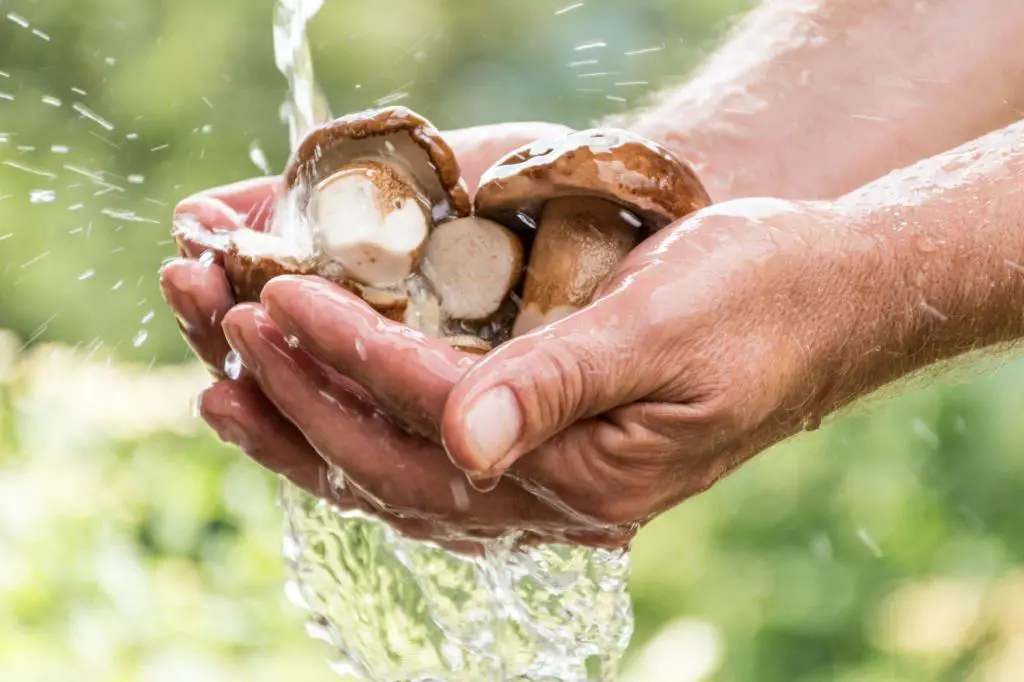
(943, 247)
(810, 100)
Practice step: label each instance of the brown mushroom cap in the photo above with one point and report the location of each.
(393, 135)
(643, 177)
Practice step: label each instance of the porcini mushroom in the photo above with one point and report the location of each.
(590, 197)
(366, 197)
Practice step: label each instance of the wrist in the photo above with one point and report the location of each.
(947, 259)
(857, 326)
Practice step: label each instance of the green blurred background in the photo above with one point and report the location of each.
(135, 547)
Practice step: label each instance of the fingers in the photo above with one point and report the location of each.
(478, 148)
(241, 415)
(408, 374)
(250, 201)
(533, 387)
(200, 296)
(405, 475)
(244, 204)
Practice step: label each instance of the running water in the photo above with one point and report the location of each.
(399, 610)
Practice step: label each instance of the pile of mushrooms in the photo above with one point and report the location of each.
(375, 202)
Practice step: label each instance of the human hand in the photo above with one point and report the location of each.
(714, 339)
(196, 288)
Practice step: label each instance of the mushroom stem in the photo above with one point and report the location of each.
(580, 241)
(371, 221)
(472, 263)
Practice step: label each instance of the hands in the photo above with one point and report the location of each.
(610, 416)
(714, 339)
(680, 371)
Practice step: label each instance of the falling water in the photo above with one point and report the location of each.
(398, 610)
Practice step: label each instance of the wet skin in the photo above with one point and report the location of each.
(716, 338)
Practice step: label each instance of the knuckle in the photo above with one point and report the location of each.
(556, 386)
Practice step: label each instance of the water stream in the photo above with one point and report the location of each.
(398, 610)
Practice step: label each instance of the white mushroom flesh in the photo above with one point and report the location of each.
(472, 264)
(371, 222)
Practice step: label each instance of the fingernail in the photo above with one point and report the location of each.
(228, 430)
(493, 424)
(236, 339)
(483, 484)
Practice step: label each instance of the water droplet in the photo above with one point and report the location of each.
(42, 196)
(140, 338)
(206, 258)
(148, 317)
(259, 158)
(18, 19)
(592, 45)
(131, 136)
(527, 220)
(391, 98)
(59, 149)
(52, 101)
(110, 61)
(568, 8)
(117, 285)
(934, 312)
(206, 129)
(86, 275)
(85, 112)
(866, 538)
(292, 341)
(136, 179)
(233, 365)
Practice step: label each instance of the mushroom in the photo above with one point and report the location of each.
(472, 264)
(374, 201)
(363, 193)
(586, 199)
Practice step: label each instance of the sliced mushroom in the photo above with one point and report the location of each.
(590, 198)
(370, 222)
(472, 264)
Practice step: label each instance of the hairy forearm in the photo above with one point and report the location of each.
(943, 248)
(810, 99)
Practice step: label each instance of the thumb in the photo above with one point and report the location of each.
(537, 385)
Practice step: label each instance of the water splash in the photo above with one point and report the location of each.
(395, 609)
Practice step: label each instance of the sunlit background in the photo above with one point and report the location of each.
(135, 547)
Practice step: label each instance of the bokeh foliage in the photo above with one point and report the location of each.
(133, 546)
